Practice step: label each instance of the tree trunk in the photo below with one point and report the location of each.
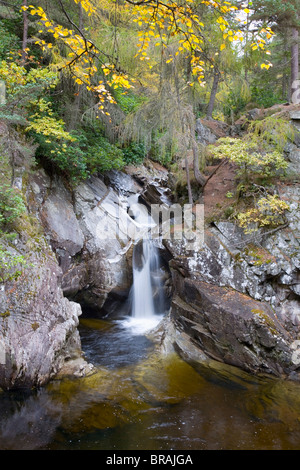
(199, 177)
(295, 91)
(80, 17)
(213, 94)
(25, 33)
(188, 180)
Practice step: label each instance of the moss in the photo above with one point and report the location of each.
(264, 317)
(5, 314)
(260, 255)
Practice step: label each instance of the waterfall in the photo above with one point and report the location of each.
(142, 295)
(147, 298)
(147, 289)
(146, 295)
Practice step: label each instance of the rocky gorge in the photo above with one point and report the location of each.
(235, 300)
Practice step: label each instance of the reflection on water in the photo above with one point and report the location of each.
(139, 399)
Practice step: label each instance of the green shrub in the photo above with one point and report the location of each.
(134, 153)
(264, 95)
(127, 100)
(9, 42)
(10, 265)
(104, 156)
(11, 205)
(80, 157)
(251, 161)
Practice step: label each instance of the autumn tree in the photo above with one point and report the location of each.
(158, 21)
(80, 42)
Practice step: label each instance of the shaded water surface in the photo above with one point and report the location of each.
(139, 399)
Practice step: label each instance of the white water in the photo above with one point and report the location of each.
(145, 313)
(142, 304)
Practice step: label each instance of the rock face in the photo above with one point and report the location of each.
(91, 231)
(84, 229)
(239, 305)
(237, 298)
(77, 245)
(231, 327)
(38, 325)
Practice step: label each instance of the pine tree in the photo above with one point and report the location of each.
(283, 18)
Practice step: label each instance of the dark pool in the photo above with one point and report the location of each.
(139, 399)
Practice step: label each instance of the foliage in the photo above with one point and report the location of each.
(9, 42)
(134, 153)
(237, 99)
(50, 127)
(10, 264)
(179, 43)
(11, 205)
(104, 156)
(251, 162)
(83, 155)
(269, 211)
(272, 132)
(157, 22)
(128, 101)
(16, 77)
(264, 96)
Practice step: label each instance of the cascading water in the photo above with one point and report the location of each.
(147, 293)
(146, 296)
(142, 295)
(147, 290)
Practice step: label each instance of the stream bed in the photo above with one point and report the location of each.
(140, 399)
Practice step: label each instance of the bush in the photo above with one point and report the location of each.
(134, 153)
(127, 100)
(11, 205)
(104, 156)
(269, 211)
(10, 265)
(264, 96)
(80, 157)
(251, 161)
(9, 42)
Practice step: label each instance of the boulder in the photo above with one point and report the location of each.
(230, 327)
(38, 325)
(91, 232)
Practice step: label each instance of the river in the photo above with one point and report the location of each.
(141, 399)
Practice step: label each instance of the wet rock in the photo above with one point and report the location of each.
(60, 221)
(90, 232)
(230, 327)
(122, 182)
(155, 194)
(261, 271)
(39, 325)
